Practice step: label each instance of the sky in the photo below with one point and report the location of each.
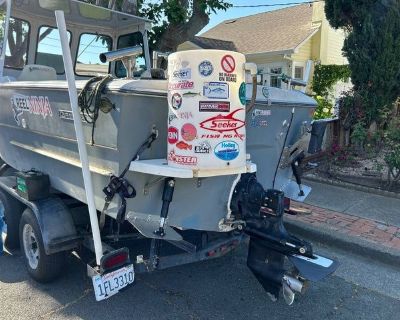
(241, 12)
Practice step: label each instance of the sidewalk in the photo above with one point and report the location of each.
(364, 223)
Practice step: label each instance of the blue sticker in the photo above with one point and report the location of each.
(216, 90)
(206, 68)
(227, 150)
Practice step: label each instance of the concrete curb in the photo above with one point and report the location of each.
(352, 186)
(342, 241)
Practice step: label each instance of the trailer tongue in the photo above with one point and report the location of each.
(183, 168)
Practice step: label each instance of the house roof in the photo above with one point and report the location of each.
(208, 43)
(273, 31)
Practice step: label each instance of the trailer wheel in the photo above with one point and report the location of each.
(42, 267)
(12, 210)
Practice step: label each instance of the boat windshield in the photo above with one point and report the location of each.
(33, 37)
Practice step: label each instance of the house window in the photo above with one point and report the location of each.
(299, 73)
(88, 58)
(49, 51)
(18, 41)
(276, 80)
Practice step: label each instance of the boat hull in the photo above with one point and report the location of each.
(42, 137)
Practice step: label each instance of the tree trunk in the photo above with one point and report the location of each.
(176, 34)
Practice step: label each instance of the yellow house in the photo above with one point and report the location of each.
(285, 41)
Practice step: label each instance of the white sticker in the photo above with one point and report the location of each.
(216, 90)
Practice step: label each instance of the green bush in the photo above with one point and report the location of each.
(324, 109)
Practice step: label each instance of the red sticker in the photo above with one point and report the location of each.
(185, 160)
(188, 132)
(223, 124)
(183, 145)
(173, 135)
(228, 63)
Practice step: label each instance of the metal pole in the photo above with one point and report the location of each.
(5, 39)
(73, 96)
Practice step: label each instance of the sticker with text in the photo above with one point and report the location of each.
(214, 106)
(216, 90)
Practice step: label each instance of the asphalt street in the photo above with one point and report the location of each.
(217, 289)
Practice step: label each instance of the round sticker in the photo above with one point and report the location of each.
(188, 132)
(206, 68)
(173, 135)
(227, 150)
(176, 101)
(228, 63)
(242, 93)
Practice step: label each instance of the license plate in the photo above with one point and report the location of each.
(108, 284)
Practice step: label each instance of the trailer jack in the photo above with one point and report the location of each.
(262, 212)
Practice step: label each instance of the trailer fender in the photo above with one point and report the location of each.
(56, 225)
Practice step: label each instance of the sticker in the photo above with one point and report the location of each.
(188, 132)
(259, 112)
(216, 90)
(191, 94)
(222, 123)
(258, 123)
(227, 77)
(228, 63)
(181, 85)
(183, 145)
(203, 147)
(173, 135)
(182, 74)
(214, 106)
(242, 93)
(36, 105)
(185, 160)
(67, 115)
(176, 101)
(206, 68)
(259, 118)
(227, 150)
(179, 115)
(177, 64)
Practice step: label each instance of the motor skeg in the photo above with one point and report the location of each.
(262, 214)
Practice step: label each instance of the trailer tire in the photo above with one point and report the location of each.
(41, 267)
(12, 215)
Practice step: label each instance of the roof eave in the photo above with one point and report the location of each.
(278, 52)
(296, 49)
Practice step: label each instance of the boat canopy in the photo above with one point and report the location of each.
(92, 29)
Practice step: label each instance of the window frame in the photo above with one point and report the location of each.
(37, 43)
(302, 72)
(275, 75)
(77, 52)
(27, 46)
(117, 47)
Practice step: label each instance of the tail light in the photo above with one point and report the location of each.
(115, 259)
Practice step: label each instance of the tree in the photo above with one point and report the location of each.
(372, 47)
(174, 21)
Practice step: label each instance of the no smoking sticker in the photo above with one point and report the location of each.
(228, 63)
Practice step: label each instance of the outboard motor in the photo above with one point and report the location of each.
(261, 213)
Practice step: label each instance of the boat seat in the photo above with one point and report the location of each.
(37, 72)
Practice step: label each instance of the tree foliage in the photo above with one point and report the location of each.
(174, 21)
(326, 76)
(372, 48)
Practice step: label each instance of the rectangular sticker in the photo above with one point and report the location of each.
(216, 90)
(214, 106)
